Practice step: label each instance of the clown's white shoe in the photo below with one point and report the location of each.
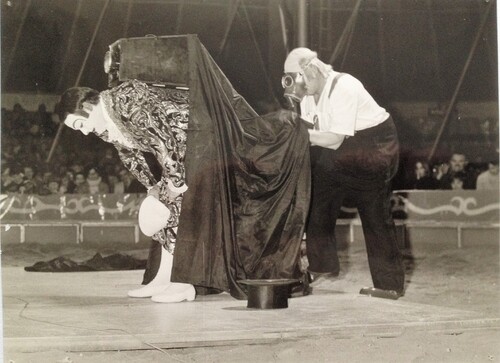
(160, 282)
(176, 292)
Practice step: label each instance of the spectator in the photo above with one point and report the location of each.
(12, 181)
(132, 185)
(81, 186)
(76, 168)
(67, 186)
(422, 178)
(31, 182)
(457, 164)
(458, 181)
(95, 182)
(489, 179)
(19, 122)
(54, 186)
(108, 162)
(44, 121)
(115, 184)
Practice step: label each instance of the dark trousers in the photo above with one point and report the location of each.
(374, 209)
(153, 262)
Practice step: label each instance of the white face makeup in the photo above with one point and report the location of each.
(79, 123)
(93, 123)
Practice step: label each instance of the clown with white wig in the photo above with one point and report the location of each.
(354, 155)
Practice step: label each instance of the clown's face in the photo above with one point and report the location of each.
(94, 122)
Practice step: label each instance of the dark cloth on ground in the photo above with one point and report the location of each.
(112, 262)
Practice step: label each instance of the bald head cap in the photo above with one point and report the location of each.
(297, 59)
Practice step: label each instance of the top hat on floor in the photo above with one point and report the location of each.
(268, 293)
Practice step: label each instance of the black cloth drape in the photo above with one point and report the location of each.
(243, 215)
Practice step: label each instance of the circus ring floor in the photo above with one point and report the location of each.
(450, 313)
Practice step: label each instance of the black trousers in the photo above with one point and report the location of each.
(333, 180)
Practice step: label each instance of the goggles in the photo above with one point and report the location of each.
(294, 86)
(291, 79)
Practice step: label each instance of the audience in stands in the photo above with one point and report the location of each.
(79, 167)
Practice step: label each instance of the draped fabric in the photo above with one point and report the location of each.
(243, 215)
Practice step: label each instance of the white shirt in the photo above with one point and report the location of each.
(487, 181)
(348, 109)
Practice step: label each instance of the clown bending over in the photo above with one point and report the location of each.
(139, 119)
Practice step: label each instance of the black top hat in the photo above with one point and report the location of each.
(268, 293)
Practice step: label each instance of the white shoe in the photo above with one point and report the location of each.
(176, 292)
(160, 282)
(148, 290)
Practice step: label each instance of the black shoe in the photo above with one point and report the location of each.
(301, 288)
(384, 294)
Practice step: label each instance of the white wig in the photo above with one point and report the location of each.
(301, 58)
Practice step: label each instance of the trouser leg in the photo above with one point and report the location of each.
(321, 244)
(384, 256)
(153, 262)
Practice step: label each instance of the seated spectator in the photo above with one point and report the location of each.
(31, 182)
(95, 182)
(422, 178)
(458, 181)
(489, 179)
(76, 168)
(67, 185)
(108, 162)
(457, 164)
(81, 186)
(115, 184)
(12, 180)
(132, 185)
(54, 185)
(44, 121)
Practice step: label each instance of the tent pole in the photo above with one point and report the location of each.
(233, 11)
(126, 24)
(78, 78)
(70, 42)
(179, 17)
(283, 28)
(351, 33)
(302, 24)
(381, 44)
(256, 44)
(435, 48)
(16, 39)
(348, 26)
(460, 81)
